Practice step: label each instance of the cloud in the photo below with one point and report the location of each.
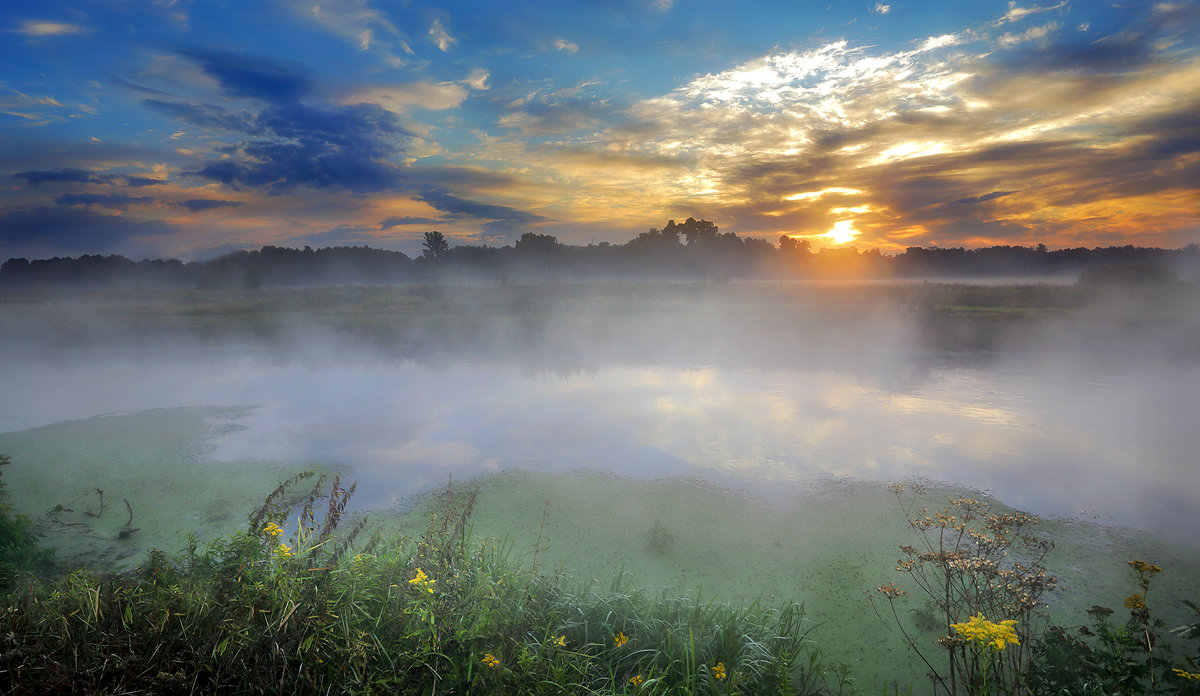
(291, 143)
(140, 181)
(44, 28)
(388, 223)
(345, 147)
(242, 75)
(1016, 13)
(352, 20)
(947, 136)
(203, 115)
(60, 231)
(562, 111)
(83, 176)
(55, 176)
(461, 207)
(426, 95)
(197, 205)
(881, 8)
(564, 45)
(1008, 40)
(973, 200)
(102, 200)
(440, 37)
(128, 84)
(477, 79)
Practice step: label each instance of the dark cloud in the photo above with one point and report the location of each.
(82, 176)
(292, 143)
(55, 176)
(251, 76)
(461, 207)
(140, 181)
(388, 223)
(974, 200)
(201, 204)
(1169, 134)
(344, 160)
(115, 201)
(1141, 41)
(204, 115)
(139, 88)
(67, 231)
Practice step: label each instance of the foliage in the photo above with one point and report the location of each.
(19, 552)
(434, 247)
(983, 573)
(657, 254)
(1130, 657)
(321, 612)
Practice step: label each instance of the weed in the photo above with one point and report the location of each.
(982, 572)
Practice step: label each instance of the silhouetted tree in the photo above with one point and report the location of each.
(533, 243)
(792, 246)
(695, 231)
(435, 246)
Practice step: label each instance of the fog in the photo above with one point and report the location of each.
(1087, 413)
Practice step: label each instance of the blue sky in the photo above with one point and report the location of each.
(185, 129)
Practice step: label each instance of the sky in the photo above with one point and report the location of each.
(187, 129)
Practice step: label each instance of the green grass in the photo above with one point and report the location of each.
(439, 613)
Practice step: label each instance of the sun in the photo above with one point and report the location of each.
(843, 231)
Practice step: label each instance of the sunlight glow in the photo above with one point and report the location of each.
(812, 195)
(909, 150)
(843, 231)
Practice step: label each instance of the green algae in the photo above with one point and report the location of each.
(828, 546)
(103, 491)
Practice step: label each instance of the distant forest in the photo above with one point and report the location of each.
(692, 250)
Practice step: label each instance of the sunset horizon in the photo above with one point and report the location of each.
(173, 130)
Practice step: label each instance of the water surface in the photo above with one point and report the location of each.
(1049, 438)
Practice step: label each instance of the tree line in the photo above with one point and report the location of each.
(691, 250)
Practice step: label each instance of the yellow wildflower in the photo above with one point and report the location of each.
(1144, 567)
(284, 550)
(636, 680)
(421, 581)
(489, 660)
(560, 641)
(1185, 674)
(1135, 602)
(718, 671)
(986, 633)
(272, 529)
(620, 639)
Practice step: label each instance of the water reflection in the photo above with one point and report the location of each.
(1042, 438)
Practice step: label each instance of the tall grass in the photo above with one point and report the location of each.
(321, 612)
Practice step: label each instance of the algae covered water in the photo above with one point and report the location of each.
(1047, 440)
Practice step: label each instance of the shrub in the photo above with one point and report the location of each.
(19, 551)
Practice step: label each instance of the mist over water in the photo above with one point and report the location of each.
(1055, 428)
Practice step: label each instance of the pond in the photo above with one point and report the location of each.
(1049, 439)
(763, 464)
